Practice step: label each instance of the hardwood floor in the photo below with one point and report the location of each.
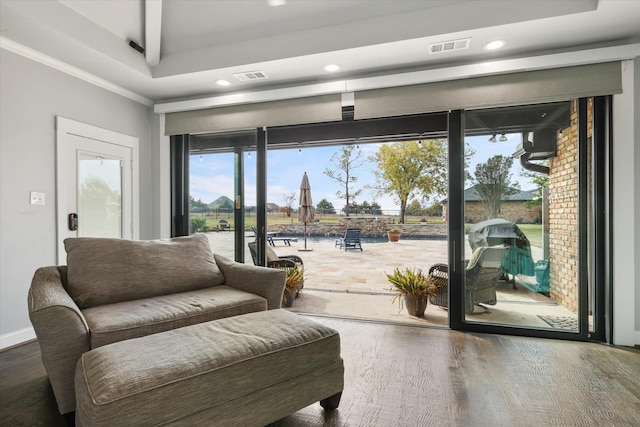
(414, 376)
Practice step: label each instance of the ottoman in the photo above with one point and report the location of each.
(247, 370)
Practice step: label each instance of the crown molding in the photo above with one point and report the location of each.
(27, 52)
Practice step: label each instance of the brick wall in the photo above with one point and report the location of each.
(563, 215)
(514, 211)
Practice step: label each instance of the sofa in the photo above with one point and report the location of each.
(113, 290)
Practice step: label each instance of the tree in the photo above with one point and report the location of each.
(325, 207)
(344, 162)
(493, 183)
(434, 210)
(287, 201)
(374, 209)
(365, 207)
(197, 224)
(196, 205)
(409, 168)
(414, 208)
(541, 181)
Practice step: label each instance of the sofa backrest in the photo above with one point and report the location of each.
(106, 271)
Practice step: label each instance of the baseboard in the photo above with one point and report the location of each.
(17, 337)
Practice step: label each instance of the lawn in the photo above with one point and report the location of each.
(533, 233)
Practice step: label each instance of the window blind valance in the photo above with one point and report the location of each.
(520, 88)
(323, 108)
(527, 87)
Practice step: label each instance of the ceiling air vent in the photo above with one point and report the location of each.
(250, 75)
(450, 46)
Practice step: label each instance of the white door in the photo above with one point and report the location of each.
(96, 183)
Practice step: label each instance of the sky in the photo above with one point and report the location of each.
(211, 175)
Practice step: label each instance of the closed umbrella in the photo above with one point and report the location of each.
(306, 212)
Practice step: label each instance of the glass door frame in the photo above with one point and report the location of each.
(590, 274)
(180, 151)
(454, 122)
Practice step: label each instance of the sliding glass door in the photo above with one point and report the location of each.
(526, 249)
(222, 191)
(527, 252)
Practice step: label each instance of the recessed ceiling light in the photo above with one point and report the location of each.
(331, 68)
(223, 82)
(276, 3)
(496, 44)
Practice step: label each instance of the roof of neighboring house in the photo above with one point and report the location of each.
(472, 195)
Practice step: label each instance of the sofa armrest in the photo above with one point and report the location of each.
(62, 332)
(266, 282)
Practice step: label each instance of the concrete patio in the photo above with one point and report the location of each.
(353, 283)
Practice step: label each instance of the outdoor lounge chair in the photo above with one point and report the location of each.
(481, 278)
(274, 261)
(272, 237)
(351, 239)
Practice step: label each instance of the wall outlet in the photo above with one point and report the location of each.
(36, 198)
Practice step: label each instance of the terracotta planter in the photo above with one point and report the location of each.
(416, 305)
(394, 236)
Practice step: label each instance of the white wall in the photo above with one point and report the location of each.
(32, 95)
(636, 192)
(161, 172)
(626, 207)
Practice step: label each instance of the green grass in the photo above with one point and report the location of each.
(533, 233)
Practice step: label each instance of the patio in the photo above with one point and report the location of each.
(353, 284)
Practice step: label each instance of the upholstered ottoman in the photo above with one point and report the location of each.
(248, 370)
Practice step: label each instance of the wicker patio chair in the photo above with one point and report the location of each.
(482, 273)
(283, 262)
(440, 274)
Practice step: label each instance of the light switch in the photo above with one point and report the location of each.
(37, 198)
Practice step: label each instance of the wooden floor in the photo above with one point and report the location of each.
(415, 376)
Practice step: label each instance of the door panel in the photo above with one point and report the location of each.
(222, 191)
(96, 183)
(524, 206)
(99, 195)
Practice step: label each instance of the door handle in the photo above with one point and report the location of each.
(73, 221)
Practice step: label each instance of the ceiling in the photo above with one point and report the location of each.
(191, 44)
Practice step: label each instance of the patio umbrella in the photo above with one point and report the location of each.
(306, 212)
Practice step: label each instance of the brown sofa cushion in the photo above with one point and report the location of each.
(132, 319)
(107, 271)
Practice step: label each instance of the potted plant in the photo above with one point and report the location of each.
(292, 285)
(412, 289)
(394, 234)
(423, 221)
